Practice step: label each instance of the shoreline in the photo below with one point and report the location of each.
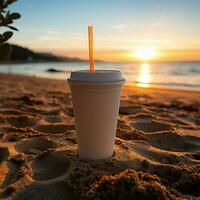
(164, 90)
(126, 85)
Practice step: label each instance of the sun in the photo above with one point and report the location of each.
(144, 53)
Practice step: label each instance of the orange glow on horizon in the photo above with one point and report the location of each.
(126, 55)
(144, 53)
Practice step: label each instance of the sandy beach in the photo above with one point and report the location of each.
(157, 147)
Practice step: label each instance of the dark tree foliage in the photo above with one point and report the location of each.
(6, 21)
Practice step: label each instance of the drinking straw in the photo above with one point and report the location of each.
(91, 49)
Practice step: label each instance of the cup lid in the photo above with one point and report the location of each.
(101, 77)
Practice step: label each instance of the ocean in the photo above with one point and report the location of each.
(177, 75)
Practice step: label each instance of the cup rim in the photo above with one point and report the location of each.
(74, 82)
(98, 77)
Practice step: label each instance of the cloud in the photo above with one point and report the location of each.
(54, 33)
(51, 36)
(76, 36)
(31, 29)
(119, 27)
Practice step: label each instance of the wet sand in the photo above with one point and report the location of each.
(157, 148)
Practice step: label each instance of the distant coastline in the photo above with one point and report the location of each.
(22, 55)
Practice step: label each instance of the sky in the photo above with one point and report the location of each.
(165, 29)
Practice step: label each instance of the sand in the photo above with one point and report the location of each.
(157, 148)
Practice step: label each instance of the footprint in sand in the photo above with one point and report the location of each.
(34, 110)
(29, 99)
(147, 151)
(2, 119)
(53, 119)
(35, 145)
(54, 129)
(141, 118)
(58, 190)
(195, 156)
(171, 141)
(146, 125)
(10, 112)
(22, 121)
(50, 166)
(53, 112)
(121, 123)
(179, 122)
(128, 110)
(41, 110)
(69, 111)
(151, 127)
(191, 120)
(4, 153)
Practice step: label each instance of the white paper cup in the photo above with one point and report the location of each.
(96, 98)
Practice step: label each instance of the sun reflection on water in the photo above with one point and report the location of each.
(144, 76)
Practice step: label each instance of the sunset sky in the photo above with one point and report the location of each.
(125, 30)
